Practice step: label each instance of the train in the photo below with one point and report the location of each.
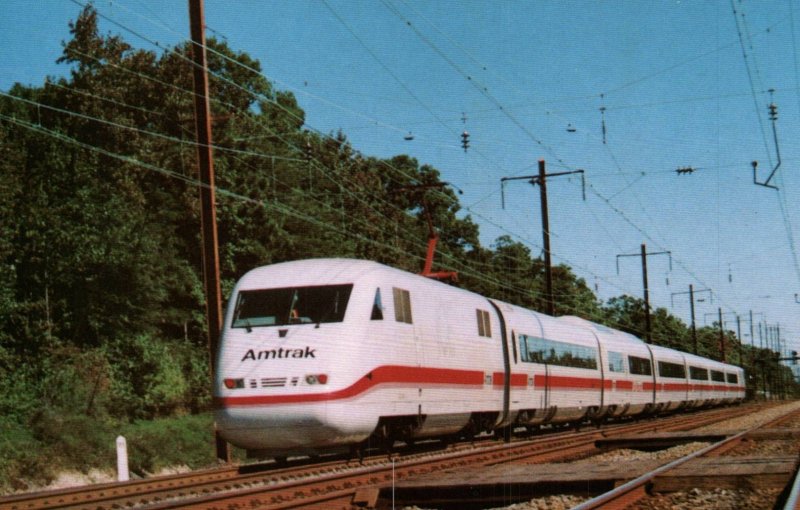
(326, 354)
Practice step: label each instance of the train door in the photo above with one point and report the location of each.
(600, 399)
(654, 369)
(687, 394)
(504, 338)
(408, 331)
(547, 386)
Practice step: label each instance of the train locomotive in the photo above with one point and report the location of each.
(322, 354)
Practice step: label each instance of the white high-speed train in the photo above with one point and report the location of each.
(327, 353)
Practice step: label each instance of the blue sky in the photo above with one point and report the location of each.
(672, 76)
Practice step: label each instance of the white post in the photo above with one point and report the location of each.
(122, 460)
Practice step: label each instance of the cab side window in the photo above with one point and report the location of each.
(402, 305)
(377, 307)
(484, 324)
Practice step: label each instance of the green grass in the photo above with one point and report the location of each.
(34, 455)
(180, 441)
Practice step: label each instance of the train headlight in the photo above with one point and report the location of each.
(317, 379)
(233, 384)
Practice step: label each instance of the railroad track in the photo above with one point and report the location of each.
(336, 484)
(635, 490)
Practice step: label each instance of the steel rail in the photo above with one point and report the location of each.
(635, 489)
(323, 491)
(793, 500)
(620, 497)
(186, 485)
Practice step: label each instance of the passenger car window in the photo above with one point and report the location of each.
(615, 362)
(554, 352)
(674, 370)
(698, 374)
(639, 366)
(717, 376)
(733, 378)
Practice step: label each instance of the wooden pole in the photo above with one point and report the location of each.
(548, 264)
(647, 325)
(208, 211)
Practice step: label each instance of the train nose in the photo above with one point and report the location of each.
(292, 428)
(271, 431)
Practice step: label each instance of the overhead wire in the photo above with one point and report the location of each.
(782, 201)
(397, 79)
(246, 67)
(345, 188)
(278, 207)
(216, 75)
(144, 131)
(234, 84)
(221, 191)
(637, 81)
(281, 208)
(135, 33)
(481, 88)
(751, 82)
(157, 44)
(684, 62)
(150, 133)
(782, 194)
(484, 91)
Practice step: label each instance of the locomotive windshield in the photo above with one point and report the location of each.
(291, 305)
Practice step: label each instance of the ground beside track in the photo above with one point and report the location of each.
(695, 499)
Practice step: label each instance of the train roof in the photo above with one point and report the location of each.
(321, 271)
(339, 271)
(609, 335)
(333, 271)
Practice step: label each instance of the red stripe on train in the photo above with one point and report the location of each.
(403, 375)
(559, 382)
(382, 375)
(517, 380)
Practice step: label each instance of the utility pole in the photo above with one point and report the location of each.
(753, 351)
(648, 326)
(781, 375)
(644, 254)
(694, 327)
(721, 336)
(763, 364)
(208, 213)
(691, 293)
(739, 335)
(548, 264)
(541, 180)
